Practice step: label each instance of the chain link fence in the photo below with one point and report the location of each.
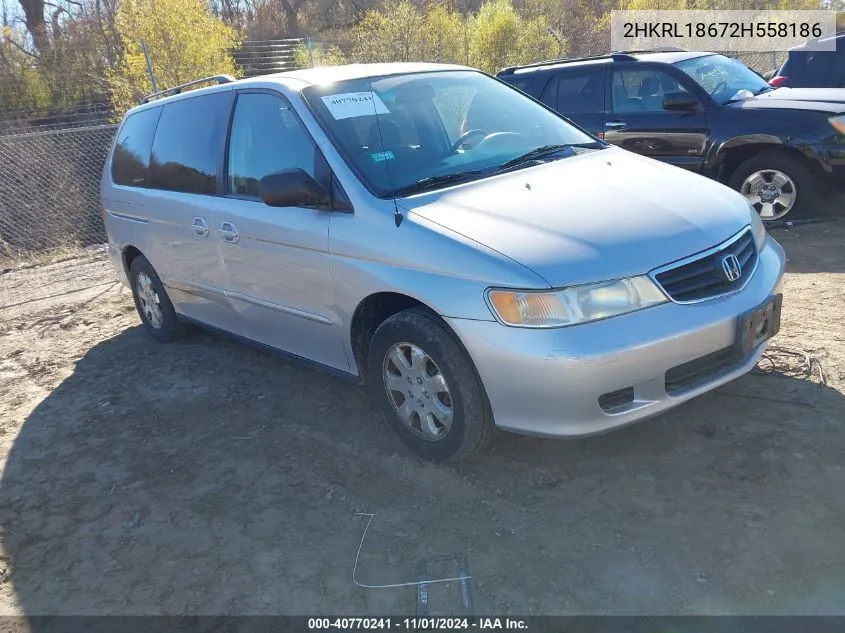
(337, 50)
(260, 57)
(760, 62)
(52, 238)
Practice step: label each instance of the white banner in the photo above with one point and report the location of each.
(722, 31)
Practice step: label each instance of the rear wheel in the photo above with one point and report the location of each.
(776, 185)
(153, 304)
(427, 388)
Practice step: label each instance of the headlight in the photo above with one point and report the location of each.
(838, 122)
(578, 304)
(758, 227)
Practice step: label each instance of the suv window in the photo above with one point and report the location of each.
(131, 156)
(800, 62)
(576, 92)
(642, 90)
(723, 78)
(520, 83)
(267, 137)
(188, 142)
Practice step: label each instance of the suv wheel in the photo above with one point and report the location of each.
(776, 184)
(427, 388)
(153, 304)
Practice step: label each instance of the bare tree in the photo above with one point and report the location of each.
(33, 11)
(291, 10)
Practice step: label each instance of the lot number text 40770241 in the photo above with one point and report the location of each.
(418, 624)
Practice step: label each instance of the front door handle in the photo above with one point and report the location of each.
(229, 232)
(615, 125)
(200, 227)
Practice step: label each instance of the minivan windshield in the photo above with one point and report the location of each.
(407, 133)
(725, 79)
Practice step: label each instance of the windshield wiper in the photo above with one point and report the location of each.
(544, 151)
(433, 182)
(762, 90)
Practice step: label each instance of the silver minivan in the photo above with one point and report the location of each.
(518, 274)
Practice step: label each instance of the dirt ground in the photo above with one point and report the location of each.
(206, 477)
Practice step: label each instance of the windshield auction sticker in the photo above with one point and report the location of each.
(723, 31)
(355, 104)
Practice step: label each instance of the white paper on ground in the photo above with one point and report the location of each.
(354, 104)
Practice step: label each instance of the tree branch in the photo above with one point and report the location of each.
(23, 50)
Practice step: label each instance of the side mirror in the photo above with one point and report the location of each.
(679, 101)
(292, 188)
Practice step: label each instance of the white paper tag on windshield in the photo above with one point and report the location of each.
(352, 104)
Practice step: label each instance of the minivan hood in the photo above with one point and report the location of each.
(813, 99)
(596, 216)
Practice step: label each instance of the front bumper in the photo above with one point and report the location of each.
(549, 382)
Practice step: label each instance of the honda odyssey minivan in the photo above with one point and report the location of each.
(523, 275)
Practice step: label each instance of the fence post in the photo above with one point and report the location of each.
(149, 65)
(440, 47)
(309, 45)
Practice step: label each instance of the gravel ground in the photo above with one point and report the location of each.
(205, 477)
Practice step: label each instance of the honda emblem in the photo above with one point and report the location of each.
(731, 268)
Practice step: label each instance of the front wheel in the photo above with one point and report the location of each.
(776, 185)
(427, 388)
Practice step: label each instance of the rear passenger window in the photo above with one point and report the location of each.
(131, 156)
(576, 92)
(267, 137)
(188, 144)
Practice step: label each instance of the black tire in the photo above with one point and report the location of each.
(806, 186)
(170, 328)
(472, 426)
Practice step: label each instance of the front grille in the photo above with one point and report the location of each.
(700, 370)
(704, 277)
(616, 399)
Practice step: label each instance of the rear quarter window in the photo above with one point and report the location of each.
(802, 62)
(529, 84)
(189, 142)
(131, 157)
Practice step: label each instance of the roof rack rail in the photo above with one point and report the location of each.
(646, 51)
(619, 56)
(622, 57)
(218, 79)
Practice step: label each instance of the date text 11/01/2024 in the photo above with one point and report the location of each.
(418, 624)
(722, 29)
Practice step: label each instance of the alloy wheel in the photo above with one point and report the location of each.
(418, 391)
(771, 192)
(148, 300)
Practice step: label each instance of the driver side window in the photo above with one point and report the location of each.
(266, 137)
(641, 90)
